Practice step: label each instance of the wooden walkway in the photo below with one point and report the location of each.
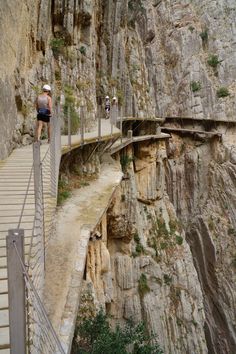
(15, 179)
(126, 141)
(190, 131)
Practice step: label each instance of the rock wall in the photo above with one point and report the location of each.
(166, 252)
(139, 264)
(201, 185)
(154, 55)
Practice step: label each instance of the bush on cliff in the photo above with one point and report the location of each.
(95, 336)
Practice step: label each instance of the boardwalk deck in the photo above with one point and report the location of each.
(126, 141)
(190, 131)
(15, 174)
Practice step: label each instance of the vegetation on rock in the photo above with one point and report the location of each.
(94, 335)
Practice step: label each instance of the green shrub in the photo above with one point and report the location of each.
(167, 279)
(191, 29)
(222, 92)
(163, 245)
(213, 61)
(95, 336)
(195, 86)
(125, 161)
(143, 287)
(82, 50)
(139, 249)
(63, 191)
(136, 238)
(204, 35)
(231, 231)
(57, 46)
(179, 240)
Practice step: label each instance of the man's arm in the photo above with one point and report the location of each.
(50, 105)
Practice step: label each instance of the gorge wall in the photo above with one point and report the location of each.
(154, 55)
(167, 254)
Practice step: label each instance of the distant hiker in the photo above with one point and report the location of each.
(44, 110)
(107, 107)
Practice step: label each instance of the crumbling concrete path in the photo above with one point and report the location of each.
(66, 253)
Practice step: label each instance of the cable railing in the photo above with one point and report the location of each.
(41, 337)
(100, 130)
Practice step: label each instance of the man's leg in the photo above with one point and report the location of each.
(39, 126)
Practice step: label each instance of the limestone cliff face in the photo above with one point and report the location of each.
(201, 185)
(143, 268)
(167, 249)
(151, 54)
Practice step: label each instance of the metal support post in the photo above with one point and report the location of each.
(82, 118)
(37, 167)
(112, 113)
(99, 128)
(53, 163)
(16, 291)
(121, 127)
(69, 126)
(130, 134)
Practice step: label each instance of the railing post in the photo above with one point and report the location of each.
(99, 128)
(69, 126)
(121, 127)
(37, 167)
(53, 159)
(82, 119)
(16, 291)
(112, 117)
